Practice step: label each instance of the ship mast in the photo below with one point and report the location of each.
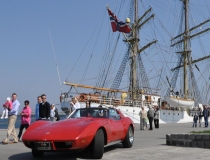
(185, 38)
(186, 48)
(134, 51)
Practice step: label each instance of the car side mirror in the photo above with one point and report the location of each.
(117, 117)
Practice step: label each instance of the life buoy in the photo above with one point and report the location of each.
(82, 97)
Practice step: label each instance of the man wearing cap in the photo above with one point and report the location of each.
(12, 120)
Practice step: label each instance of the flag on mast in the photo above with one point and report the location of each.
(116, 24)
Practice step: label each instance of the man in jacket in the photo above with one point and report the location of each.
(150, 115)
(206, 115)
(44, 109)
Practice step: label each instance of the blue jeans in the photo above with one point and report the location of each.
(195, 124)
(206, 121)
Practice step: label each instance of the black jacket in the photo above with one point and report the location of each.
(44, 110)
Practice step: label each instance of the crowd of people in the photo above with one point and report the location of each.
(153, 114)
(43, 111)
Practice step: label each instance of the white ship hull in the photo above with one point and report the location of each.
(180, 102)
(166, 116)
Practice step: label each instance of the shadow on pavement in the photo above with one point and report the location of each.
(61, 155)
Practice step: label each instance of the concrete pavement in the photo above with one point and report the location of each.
(147, 145)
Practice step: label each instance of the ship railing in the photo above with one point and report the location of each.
(118, 102)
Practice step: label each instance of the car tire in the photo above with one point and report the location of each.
(129, 138)
(36, 153)
(97, 146)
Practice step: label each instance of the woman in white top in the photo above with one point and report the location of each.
(74, 104)
(52, 113)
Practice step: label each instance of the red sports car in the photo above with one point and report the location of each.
(92, 128)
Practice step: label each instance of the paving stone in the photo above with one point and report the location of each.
(192, 136)
(207, 144)
(194, 144)
(168, 136)
(198, 136)
(200, 144)
(179, 143)
(180, 136)
(187, 137)
(168, 142)
(173, 142)
(205, 136)
(173, 136)
(188, 143)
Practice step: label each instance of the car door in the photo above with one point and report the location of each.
(116, 126)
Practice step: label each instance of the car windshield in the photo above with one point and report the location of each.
(90, 112)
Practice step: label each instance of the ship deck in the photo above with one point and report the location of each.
(147, 145)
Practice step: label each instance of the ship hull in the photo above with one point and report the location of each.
(166, 116)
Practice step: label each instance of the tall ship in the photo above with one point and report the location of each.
(175, 106)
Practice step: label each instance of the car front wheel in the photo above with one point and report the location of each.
(129, 138)
(36, 153)
(97, 148)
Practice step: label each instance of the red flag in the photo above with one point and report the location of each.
(118, 25)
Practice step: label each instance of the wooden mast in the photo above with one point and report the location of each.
(92, 87)
(134, 51)
(186, 48)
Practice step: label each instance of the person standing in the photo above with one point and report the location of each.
(143, 116)
(150, 115)
(12, 119)
(200, 114)
(156, 117)
(195, 119)
(54, 113)
(25, 118)
(206, 115)
(87, 104)
(7, 106)
(39, 101)
(44, 109)
(74, 104)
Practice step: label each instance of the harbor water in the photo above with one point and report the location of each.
(4, 122)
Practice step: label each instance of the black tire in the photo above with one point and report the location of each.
(129, 138)
(97, 146)
(36, 153)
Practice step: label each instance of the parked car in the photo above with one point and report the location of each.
(93, 128)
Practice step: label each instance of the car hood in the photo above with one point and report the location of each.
(61, 130)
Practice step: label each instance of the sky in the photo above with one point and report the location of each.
(79, 27)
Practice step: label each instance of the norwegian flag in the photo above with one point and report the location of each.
(118, 25)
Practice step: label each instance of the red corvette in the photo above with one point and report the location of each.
(92, 128)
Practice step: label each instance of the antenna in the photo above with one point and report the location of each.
(55, 60)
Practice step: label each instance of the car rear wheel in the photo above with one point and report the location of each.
(97, 148)
(129, 138)
(36, 153)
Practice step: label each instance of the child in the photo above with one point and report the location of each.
(195, 119)
(7, 106)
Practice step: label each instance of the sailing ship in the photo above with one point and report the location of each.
(139, 92)
(191, 96)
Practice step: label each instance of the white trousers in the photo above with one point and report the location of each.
(5, 112)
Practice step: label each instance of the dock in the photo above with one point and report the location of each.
(147, 145)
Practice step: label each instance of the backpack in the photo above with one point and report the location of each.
(56, 115)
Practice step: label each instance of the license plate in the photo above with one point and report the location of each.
(43, 146)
